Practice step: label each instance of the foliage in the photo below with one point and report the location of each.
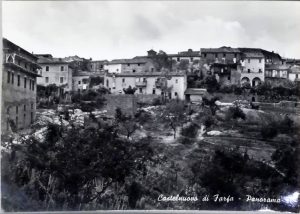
(211, 104)
(157, 101)
(174, 114)
(211, 83)
(125, 123)
(55, 174)
(235, 112)
(183, 65)
(129, 90)
(191, 130)
(272, 127)
(89, 100)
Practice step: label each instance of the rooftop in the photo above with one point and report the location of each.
(50, 60)
(277, 67)
(195, 91)
(129, 61)
(222, 49)
(147, 74)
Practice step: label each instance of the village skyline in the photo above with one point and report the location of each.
(113, 30)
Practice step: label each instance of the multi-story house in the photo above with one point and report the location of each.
(136, 65)
(55, 71)
(85, 80)
(252, 66)
(226, 74)
(220, 55)
(171, 85)
(18, 87)
(294, 73)
(190, 55)
(97, 66)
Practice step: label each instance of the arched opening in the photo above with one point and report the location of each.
(245, 80)
(256, 81)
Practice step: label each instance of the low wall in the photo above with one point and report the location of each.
(126, 102)
(146, 98)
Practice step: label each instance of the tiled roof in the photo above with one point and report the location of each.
(295, 69)
(128, 61)
(223, 49)
(253, 55)
(196, 91)
(147, 74)
(47, 60)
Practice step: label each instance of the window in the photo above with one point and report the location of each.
(248, 70)
(25, 82)
(175, 94)
(141, 90)
(216, 55)
(61, 68)
(24, 119)
(259, 60)
(29, 84)
(259, 71)
(296, 76)
(176, 81)
(178, 59)
(152, 69)
(123, 80)
(139, 64)
(153, 91)
(133, 71)
(128, 64)
(228, 78)
(235, 55)
(31, 105)
(19, 62)
(107, 83)
(12, 78)
(61, 79)
(79, 82)
(33, 85)
(204, 55)
(25, 65)
(192, 58)
(24, 107)
(19, 80)
(224, 55)
(117, 69)
(248, 60)
(17, 109)
(47, 68)
(31, 117)
(8, 77)
(46, 79)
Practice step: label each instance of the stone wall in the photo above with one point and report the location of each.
(126, 102)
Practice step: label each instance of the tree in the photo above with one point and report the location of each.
(183, 65)
(211, 104)
(129, 90)
(174, 114)
(126, 123)
(211, 83)
(73, 168)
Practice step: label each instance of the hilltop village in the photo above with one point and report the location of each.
(84, 134)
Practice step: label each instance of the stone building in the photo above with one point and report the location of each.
(19, 79)
(55, 71)
(171, 85)
(226, 73)
(189, 55)
(220, 55)
(83, 80)
(294, 73)
(97, 66)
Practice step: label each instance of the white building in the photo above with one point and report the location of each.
(294, 73)
(253, 67)
(54, 71)
(172, 85)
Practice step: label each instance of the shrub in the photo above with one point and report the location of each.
(208, 121)
(269, 131)
(190, 130)
(157, 101)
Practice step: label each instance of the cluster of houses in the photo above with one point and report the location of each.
(156, 73)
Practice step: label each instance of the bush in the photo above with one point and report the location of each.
(190, 130)
(157, 102)
(208, 121)
(235, 113)
(269, 131)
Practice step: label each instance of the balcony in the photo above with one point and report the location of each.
(141, 84)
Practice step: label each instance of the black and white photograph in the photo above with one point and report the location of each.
(150, 106)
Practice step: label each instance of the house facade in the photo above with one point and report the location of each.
(97, 66)
(19, 79)
(171, 85)
(55, 71)
(252, 67)
(220, 55)
(294, 73)
(189, 55)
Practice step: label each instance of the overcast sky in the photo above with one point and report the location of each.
(108, 30)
